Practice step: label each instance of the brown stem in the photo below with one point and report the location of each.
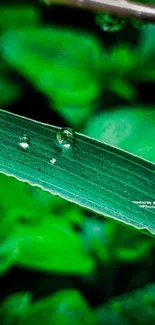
(116, 7)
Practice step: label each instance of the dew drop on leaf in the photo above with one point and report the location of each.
(24, 143)
(109, 23)
(65, 137)
(52, 161)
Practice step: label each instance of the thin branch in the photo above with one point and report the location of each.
(114, 7)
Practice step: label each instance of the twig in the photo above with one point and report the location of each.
(116, 7)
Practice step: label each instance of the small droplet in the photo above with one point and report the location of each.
(61, 53)
(44, 2)
(24, 143)
(52, 161)
(65, 137)
(110, 23)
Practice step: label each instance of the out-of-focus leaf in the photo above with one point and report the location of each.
(123, 59)
(75, 116)
(14, 307)
(119, 65)
(63, 64)
(146, 53)
(56, 205)
(23, 206)
(129, 245)
(17, 203)
(112, 242)
(107, 316)
(63, 308)
(53, 246)
(134, 308)
(129, 128)
(123, 89)
(9, 250)
(9, 92)
(18, 16)
(147, 41)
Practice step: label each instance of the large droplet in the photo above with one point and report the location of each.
(110, 23)
(65, 137)
(24, 143)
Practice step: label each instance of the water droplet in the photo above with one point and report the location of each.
(44, 2)
(110, 23)
(65, 137)
(61, 53)
(24, 143)
(52, 161)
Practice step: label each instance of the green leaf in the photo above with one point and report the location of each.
(146, 70)
(18, 204)
(53, 246)
(129, 128)
(9, 250)
(75, 115)
(63, 64)
(123, 59)
(25, 219)
(129, 246)
(134, 308)
(9, 92)
(63, 308)
(123, 89)
(147, 41)
(14, 307)
(111, 317)
(109, 248)
(105, 179)
(18, 16)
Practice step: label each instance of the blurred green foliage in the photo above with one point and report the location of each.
(134, 308)
(93, 87)
(131, 130)
(14, 307)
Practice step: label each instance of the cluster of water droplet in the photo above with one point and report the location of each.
(64, 137)
(110, 23)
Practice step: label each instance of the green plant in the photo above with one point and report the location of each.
(78, 255)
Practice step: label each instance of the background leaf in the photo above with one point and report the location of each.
(52, 61)
(14, 307)
(136, 308)
(53, 246)
(131, 129)
(16, 16)
(63, 308)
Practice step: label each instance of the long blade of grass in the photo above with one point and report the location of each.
(95, 175)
